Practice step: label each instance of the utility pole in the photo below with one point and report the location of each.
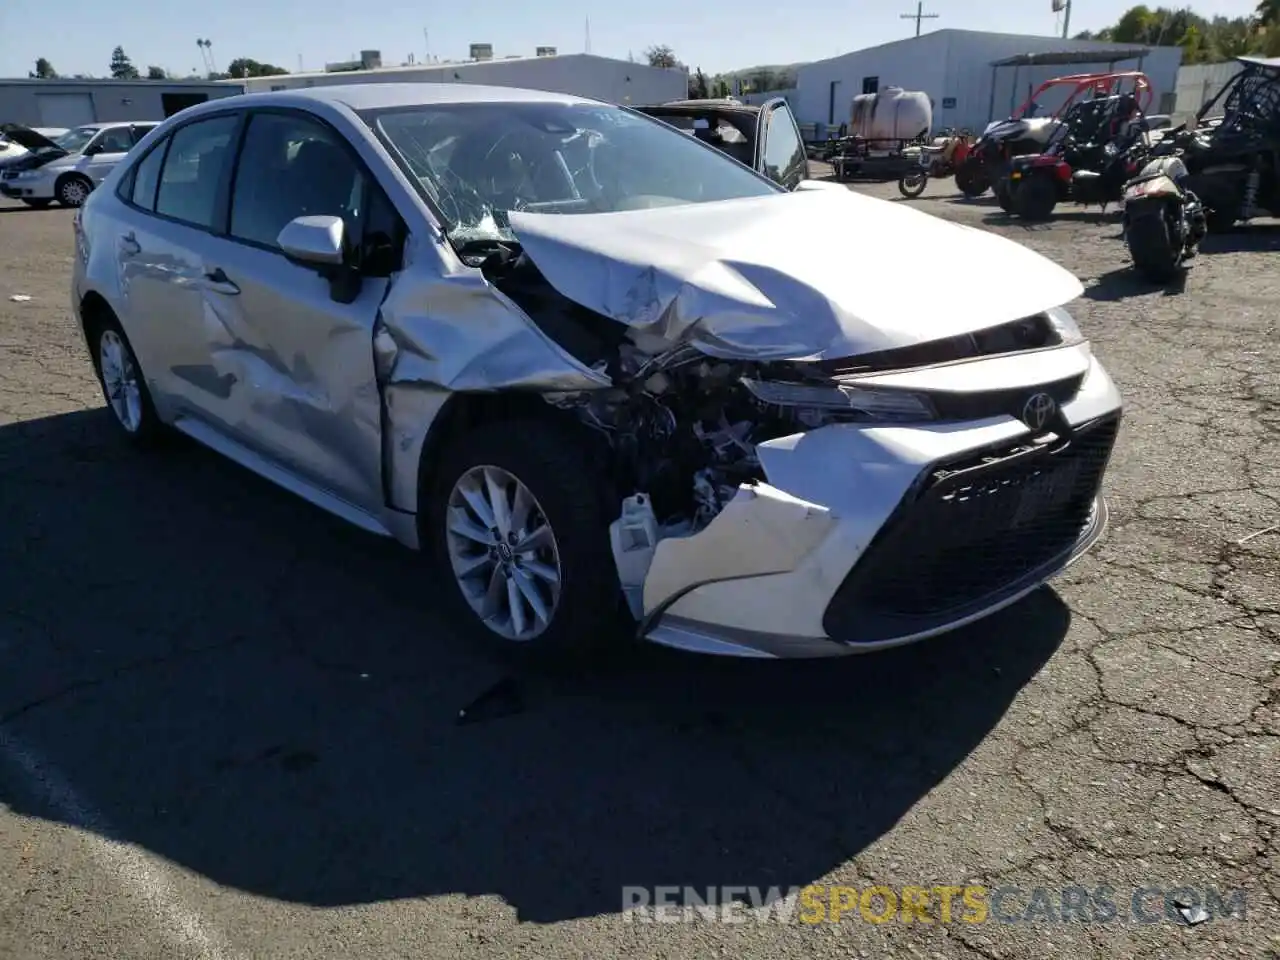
(918, 16)
(588, 37)
(1064, 7)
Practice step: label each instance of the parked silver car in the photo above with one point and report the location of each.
(599, 371)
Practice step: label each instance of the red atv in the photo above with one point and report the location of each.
(1102, 144)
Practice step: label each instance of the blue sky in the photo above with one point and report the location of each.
(77, 36)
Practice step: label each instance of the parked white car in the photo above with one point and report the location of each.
(66, 168)
(11, 150)
(600, 372)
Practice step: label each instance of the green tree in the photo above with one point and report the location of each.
(43, 71)
(661, 56)
(243, 67)
(699, 88)
(157, 73)
(122, 67)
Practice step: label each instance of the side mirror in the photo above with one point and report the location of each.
(314, 241)
(320, 243)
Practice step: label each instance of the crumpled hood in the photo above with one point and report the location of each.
(806, 275)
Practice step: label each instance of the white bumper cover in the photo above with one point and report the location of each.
(759, 580)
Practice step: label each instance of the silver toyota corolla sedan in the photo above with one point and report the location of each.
(600, 372)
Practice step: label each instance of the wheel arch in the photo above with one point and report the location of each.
(94, 311)
(463, 412)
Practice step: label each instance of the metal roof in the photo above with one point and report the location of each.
(1062, 58)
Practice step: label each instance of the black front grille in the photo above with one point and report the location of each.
(973, 531)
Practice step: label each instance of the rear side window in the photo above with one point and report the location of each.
(146, 177)
(193, 168)
(293, 166)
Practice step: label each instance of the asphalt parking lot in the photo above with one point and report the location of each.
(229, 725)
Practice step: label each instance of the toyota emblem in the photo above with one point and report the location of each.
(1038, 410)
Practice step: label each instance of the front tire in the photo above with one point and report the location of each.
(123, 386)
(73, 190)
(516, 520)
(912, 185)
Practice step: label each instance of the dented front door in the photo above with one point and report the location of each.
(300, 367)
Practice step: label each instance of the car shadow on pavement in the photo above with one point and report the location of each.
(236, 683)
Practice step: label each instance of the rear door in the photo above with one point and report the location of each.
(176, 194)
(781, 155)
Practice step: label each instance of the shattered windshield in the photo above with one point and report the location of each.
(73, 141)
(477, 162)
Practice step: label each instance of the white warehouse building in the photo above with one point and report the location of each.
(956, 69)
(581, 74)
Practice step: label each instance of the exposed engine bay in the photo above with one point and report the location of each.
(683, 426)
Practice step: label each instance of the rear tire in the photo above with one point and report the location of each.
(1152, 248)
(1035, 198)
(971, 179)
(566, 587)
(123, 385)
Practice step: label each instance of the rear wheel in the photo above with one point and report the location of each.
(123, 385)
(1156, 253)
(515, 518)
(971, 179)
(1035, 198)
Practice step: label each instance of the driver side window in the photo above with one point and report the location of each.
(115, 140)
(292, 166)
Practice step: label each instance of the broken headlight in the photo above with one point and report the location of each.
(1064, 325)
(868, 403)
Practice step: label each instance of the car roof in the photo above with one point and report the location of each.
(103, 125)
(376, 96)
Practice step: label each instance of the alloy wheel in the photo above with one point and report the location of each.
(503, 552)
(73, 192)
(120, 381)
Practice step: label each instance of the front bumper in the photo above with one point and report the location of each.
(911, 532)
(35, 188)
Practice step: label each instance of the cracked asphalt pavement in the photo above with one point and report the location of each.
(228, 724)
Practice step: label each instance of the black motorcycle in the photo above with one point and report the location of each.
(1164, 221)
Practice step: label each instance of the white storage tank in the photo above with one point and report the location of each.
(891, 114)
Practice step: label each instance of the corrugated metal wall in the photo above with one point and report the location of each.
(916, 64)
(954, 68)
(111, 101)
(617, 81)
(1197, 83)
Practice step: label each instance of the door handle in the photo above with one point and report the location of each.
(129, 244)
(218, 281)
